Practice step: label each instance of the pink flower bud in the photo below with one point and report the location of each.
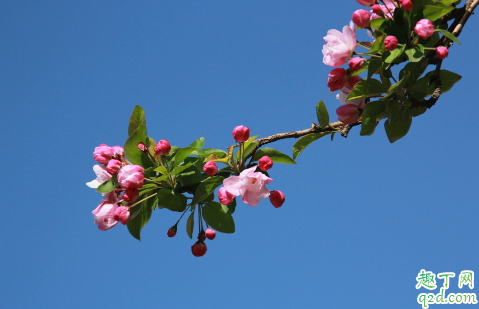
(424, 28)
(390, 43)
(103, 215)
(406, 5)
(210, 234)
(142, 147)
(241, 134)
(352, 81)
(265, 163)
(210, 168)
(377, 9)
(442, 52)
(172, 231)
(199, 248)
(356, 63)
(162, 148)
(130, 195)
(118, 151)
(122, 214)
(102, 154)
(348, 113)
(336, 79)
(276, 198)
(131, 177)
(225, 197)
(366, 2)
(361, 18)
(113, 166)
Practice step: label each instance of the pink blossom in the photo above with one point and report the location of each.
(339, 46)
(356, 63)
(250, 185)
(265, 163)
(210, 168)
(131, 177)
(210, 234)
(361, 18)
(142, 147)
(162, 148)
(366, 2)
(360, 102)
(277, 198)
(113, 166)
(130, 195)
(348, 113)
(241, 134)
(442, 52)
(424, 28)
(122, 214)
(336, 79)
(390, 43)
(199, 248)
(386, 11)
(225, 197)
(350, 83)
(406, 5)
(118, 151)
(101, 176)
(103, 215)
(102, 154)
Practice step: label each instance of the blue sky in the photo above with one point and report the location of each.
(362, 216)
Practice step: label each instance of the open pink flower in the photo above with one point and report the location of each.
(101, 176)
(131, 177)
(339, 46)
(250, 185)
(103, 215)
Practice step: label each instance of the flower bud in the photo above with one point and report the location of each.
(442, 52)
(241, 134)
(265, 163)
(142, 147)
(406, 5)
(118, 151)
(172, 231)
(210, 168)
(336, 79)
(199, 248)
(276, 198)
(162, 148)
(122, 214)
(352, 81)
(361, 18)
(102, 154)
(130, 195)
(348, 113)
(366, 2)
(390, 43)
(424, 28)
(210, 234)
(131, 177)
(225, 197)
(113, 166)
(377, 9)
(356, 63)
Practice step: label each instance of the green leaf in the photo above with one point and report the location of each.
(205, 188)
(107, 186)
(229, 209)
(275, 155)
(208, 151)
(247, 147)
(448, 79)
(397, 88)
(180, 169)
(448, 35)
(394, 56)
(373, 112)
(182, 154)
(417, 92)
(436, 10)
(416, 111)
(322, 113)
(378, 45)
(199, 143)
(304, 142)
(416, 69)
(367, 88)
(140, 216)
(398, 123)
(374, 66)
(377, 22)
(217, 218)
(174, 201)
(415, 53)
(137, 118)
(135, 155)
(190, 224)
(161, 170)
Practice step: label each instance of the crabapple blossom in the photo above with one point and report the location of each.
(142, 147)
(276, 198)
(336, 79)
(265, 163)
(241, 134)
(131, 177)
(210, 234)
(103, 215)
(210, 168)
(383, 10)
(117, 151)
(367, 2)
(361, 18)
(162, 148)
(350, 83)
(339, 46)
(442, 52)
(406, 5)
(130, 195)
(348, 113)
(102, 154)
(250, 185)
(390, 43)
(101, 176)
(359, 102)
(424, 28)
(113, 166)
(225, 197)
(122, 214)
(377, 9)
(199, 248)
(356, 63)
